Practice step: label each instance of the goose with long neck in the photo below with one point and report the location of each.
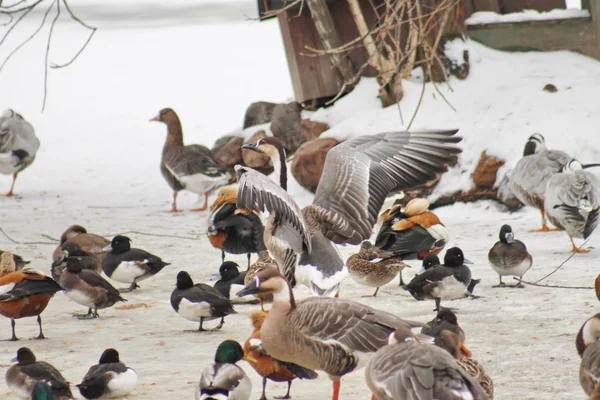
(588, 347)
(357, 176)
(332, 335)
(190, 167)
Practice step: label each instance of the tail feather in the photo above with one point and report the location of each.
(299, 371)
(591, 223)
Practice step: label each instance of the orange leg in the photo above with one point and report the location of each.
(10, 192)
(373, 397)
(336, 390)
(544, 227)
(174, 205)
(262, 304)
(576, 249)
(205, 206)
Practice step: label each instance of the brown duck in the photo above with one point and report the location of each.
(588, 348)
(88, 242)
(264, 261)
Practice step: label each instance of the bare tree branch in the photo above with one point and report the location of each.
(48, 52)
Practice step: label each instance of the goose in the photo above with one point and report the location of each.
(86, 259)
(108, 379)
(411, 232)
(509, 256)
(588, 348)
(357, 176)
(199, 302)
(22, 377)
(264, 261)
(223, 379)
(191, 167)
(88, 288)
(88, 242)
(24, 293)
(18, 145)
(375, 274)
(572, 202)
(17, 259)
(448, 282)
(320, 333)
(232, 281)
(127, 265)
(453, 344)
(234, 230)
(407, 369)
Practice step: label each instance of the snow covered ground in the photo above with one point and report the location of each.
(98, 167)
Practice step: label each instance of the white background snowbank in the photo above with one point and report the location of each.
(489, 17)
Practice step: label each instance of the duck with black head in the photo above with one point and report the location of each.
(232, 281)
(509, 257)
(108, 379)
(189, 167)
(129, 265)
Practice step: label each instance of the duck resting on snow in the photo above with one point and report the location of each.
(357, 176)
(509, 256)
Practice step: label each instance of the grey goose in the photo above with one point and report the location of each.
(509, 256)
(18, 145)
(357, 176)
(189, 167)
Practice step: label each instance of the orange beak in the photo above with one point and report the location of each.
(465, 351)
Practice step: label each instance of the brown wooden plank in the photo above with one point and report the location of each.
(511, 6)
(486, 5)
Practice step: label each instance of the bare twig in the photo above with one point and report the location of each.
(563, 263)
(553, 286)
(155, 234)
(17, 242)
(48, 53)
(418, 105)
(50, 237)
(55, 66)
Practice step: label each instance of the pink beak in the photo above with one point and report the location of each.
(157, 118)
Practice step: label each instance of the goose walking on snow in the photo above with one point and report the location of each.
(320, 333)
(357, 176)
(572, 202)
(190, 167)
(18, 145)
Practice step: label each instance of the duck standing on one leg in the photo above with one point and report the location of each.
(509, 256)
(191, 167)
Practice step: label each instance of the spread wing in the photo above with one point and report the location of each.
(361, 172)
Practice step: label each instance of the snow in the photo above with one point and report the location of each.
(98, 167)
(490, 17)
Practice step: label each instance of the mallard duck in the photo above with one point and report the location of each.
(88, 288)
(375, 274)
(588, 348)
(264, 261)
(234, 230)
(88, 242)
(18, 145)
(411, 232)
(357, 176)
(509, 256)
(24, 293)
(223, 379)
(448, 282)
(42, 391)
(232, 281)
(407, 369)
(191, 167)
(86, 259)
(199, 302)
(110, 378)
(320, 333)
(18, 260)
(22, 377)
(572, 202)
(451, 342)
(127, 265)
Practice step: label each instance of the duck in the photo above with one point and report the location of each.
(448, 282)
(224, 379)
(264, 261)
(264, 365)
(20, 263)
(24, 293)
(445, 320)
(108, 379)
(88, 288)
(333, 335)
(375, 274)
(572, 202)
(42, 391)
(199, 302)
(18, 145)
(509, 256)
(411, 232)
(234, 230)
(86, 259)
(88, 242)
(192, 167)
(357, 176)
(127, 265)
(408, 369)
(231, 281)
(588, 347)
(22, 377)
(453, 344)
(430, 261)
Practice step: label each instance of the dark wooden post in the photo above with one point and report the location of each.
(330, 39)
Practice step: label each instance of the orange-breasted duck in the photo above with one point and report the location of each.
(411, 232)
(509, 257)
(88, 242)
(129, 265)
(234, 230)
(108, 379)
(192, 167)
(357, 177)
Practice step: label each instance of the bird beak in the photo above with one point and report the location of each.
(465, 351)
(14, 360)
(157, 118)
(250, 146)
(107, 248)
(251, 288)
(249, 359)
(584, 166)
(215, 277)
(465, 261)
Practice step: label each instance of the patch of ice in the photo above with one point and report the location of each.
(490, 17)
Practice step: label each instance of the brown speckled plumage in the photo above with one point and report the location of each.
(375, 274)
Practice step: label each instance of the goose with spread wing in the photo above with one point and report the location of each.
(357, 176)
